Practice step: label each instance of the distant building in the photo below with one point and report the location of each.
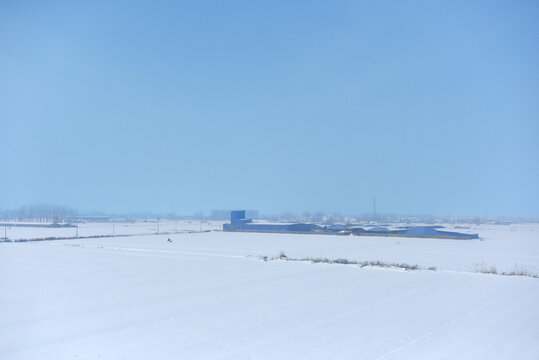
(238, 222)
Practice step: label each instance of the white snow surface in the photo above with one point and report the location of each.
(110, 228)
(209, 296)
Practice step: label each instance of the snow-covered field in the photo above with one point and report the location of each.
(209, 296)
(110, 228)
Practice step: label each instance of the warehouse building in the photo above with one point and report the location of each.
(238, 222)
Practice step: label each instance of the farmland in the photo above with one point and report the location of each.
(211, 295)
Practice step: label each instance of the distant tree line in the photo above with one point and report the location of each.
(40, 213)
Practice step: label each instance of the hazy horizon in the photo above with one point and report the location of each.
(256, 214)
(127, 107)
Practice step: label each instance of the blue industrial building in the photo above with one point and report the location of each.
(415, 231)
(238, 222)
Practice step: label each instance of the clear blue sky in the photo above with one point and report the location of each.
(119, 106)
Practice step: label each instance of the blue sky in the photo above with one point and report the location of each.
(431, 106)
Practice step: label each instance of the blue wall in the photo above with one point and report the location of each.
(237, 215)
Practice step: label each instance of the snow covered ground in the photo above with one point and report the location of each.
(209, 296)
(110, 228)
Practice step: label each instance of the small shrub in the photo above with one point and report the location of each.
(491, 270)
(343, 261)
